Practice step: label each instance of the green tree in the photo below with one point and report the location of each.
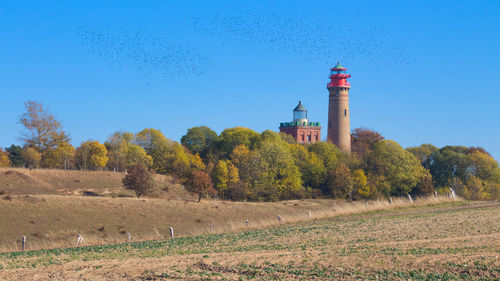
(200, 140)
(140, 180)
(424, 154)
(400, 168)
(14, 153)
(31, 156)
(449, 162)
(91, 155)
(232, 137)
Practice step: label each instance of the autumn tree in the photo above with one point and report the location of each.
(327, 151)
(117, 146)
(220, 176)
(4, 159)
(43, 131)
(363, 139)
(140, 180)
(31, 157)
(91, 155)
(360, 184)
(281, 169)
(225, 175)
(339, 181)
(310, 165)
(65, 153)
(201, 183)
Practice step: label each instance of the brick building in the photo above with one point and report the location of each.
(300, 128)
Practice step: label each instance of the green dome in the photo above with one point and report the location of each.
(338, 67)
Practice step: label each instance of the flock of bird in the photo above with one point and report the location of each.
(149, 55)
(312, 40)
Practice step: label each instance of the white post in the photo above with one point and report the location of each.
(279, 218)
(366, 204)
(309, 213)
(390, 200)
(171, 232)
(80, 240)
(128, 236)
(211, 228)
(246, 222)
(435, 193)
(409, 197)
(452, 193)
(23, 243)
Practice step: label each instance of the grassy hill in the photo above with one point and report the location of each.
(60, 182)
(450, 241)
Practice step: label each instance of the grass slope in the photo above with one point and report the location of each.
(450, 241)
(17, 181)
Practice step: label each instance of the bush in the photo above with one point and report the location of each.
(140, 180)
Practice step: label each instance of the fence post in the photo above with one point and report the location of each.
(246, 222)
(80, 240)
(128, 236)
(390, 200)
(171, 232)
(279, 218)
(309, 213)
(211, 228)
(23, 243)
(409, 197)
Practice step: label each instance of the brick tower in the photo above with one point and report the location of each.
(301, 129)
(339, 131)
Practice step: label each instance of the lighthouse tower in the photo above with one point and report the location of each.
(339, 131)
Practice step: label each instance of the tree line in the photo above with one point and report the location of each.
(241, 164)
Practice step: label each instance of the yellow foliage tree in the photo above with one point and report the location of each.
(360, 183)
(4, 159)
(91, 155)
(31, 157)
(220, 176)
(64, 154)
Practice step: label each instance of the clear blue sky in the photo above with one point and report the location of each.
(422, 71)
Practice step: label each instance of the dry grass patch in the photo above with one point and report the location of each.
(450, 241)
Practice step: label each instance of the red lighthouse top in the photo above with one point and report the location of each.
(338, 77)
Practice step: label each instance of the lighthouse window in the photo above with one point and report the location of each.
(345, 112)
(308, 138)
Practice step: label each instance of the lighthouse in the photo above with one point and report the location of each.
(339, 131)
(301, 129)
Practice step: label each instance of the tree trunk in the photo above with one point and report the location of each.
(199, 197)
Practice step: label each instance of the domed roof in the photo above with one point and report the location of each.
(300, 107)
(339, 67)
